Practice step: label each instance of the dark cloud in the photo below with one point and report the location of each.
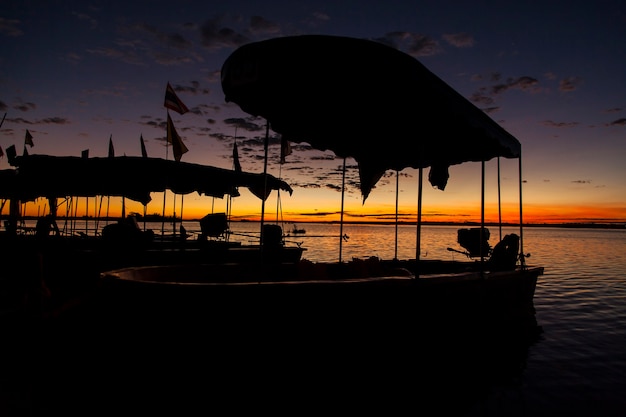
(10, 27)
(244, 123)
(414, 44)
(460, 40)
(550, 123)
(570, 84)
(215, 37)
(618, 122)
(260, 25)
(25, 106)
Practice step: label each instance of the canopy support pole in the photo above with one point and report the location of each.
(499, 204)
(343, 192)
(418, 248)
(482, 214)
(265, 146)
(522, 257)
(395, 253)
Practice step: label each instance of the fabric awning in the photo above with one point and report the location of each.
(132, 177)
(365, 100)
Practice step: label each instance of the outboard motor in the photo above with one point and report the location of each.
(470, 239)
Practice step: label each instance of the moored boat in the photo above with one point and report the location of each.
(496, 286)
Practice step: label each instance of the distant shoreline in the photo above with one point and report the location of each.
(569, 225)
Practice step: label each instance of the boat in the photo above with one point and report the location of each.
(389, 335)
(495, 285)
(64, 262)
(295, 230)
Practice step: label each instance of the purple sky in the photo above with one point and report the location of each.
(75, 73)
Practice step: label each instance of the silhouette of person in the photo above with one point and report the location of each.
(505, 253)
(45, 225)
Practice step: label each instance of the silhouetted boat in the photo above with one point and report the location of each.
(297, 230)
(414, 334)
(323, 90)
(68, 261)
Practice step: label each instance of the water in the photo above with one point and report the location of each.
(578, 365)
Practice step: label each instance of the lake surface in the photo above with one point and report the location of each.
(576, 367)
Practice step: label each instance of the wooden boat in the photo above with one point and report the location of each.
(497, 288)
(295, 230)
(66, 263)
(367, 334)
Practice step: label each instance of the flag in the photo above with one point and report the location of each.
(85, 154)
(236, 163)
(111, 150)
(178, 147)
(261, 192)
(1, 152)
(144, 153)
(11, 154)
(173, 102)
(285, 149)
(28, 140)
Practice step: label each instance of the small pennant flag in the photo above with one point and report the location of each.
(178, 147)
(28, 140)
(144, 153)
(236, 164)
(285, 149)
(111, 150)
(173, 102)
(11, 154)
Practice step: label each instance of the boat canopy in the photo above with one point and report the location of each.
(362, 99)
(132, 177)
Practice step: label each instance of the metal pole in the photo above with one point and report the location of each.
(419, 223)
(343, 191)
(265, 145)
(522, 258)
(395, 256)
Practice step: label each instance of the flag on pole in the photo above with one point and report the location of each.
(85, 154)
(28, 140)
(11, 154)
(236, 164)
(173, 102)
(144, 153)
(178, 147)
(111, 150)
(285, 149)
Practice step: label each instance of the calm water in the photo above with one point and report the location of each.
(578, 365)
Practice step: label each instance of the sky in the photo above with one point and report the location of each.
(552, 73)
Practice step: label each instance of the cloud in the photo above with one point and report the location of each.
(460, 40)
(216, 37)
(414, 44)
(550, 123)
(93, 23)
(244, 123)
(582, 181)
(10, 27)
(570, 84)
(260, 25)
(24, 107)
(618, 122)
